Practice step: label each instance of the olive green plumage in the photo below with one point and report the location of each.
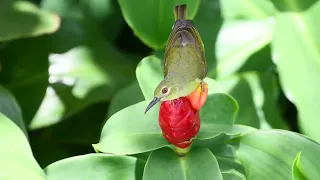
(184, 61)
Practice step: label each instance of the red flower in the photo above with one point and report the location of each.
(179, 119)
(179, 122)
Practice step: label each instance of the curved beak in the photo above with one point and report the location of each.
(152, 103)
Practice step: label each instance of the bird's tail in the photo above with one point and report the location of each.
(180, 12)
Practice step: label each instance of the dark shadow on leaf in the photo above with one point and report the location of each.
(24, 72)
(260, 61)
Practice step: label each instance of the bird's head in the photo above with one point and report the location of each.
(166, 90)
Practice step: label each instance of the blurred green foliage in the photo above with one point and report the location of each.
(69, 65)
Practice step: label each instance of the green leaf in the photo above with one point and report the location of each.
(16, 160)
(96, 166)
(217, 115)
(152, 21)
(258, 97)
(130, 131)
(271, 109)
(225, 153)
(20, 19)
(199, 163)
(258, 71)
(90, 71)
(149, 74)
(125, 98)
(269, 154)
(238, 40)
(107, 14)
(85, 125)
(260, 62)
(25, 72)
(293, 5)
(98, 9)
(297, 169)
(239, 88)
(61, 7)
(10, 108)
(247, 9)
(300, 29)
(233, 175)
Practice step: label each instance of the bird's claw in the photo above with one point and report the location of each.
(202, 87)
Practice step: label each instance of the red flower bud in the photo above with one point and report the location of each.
(179, 119)
(179, 122)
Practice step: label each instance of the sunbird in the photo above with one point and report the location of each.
(185, 64)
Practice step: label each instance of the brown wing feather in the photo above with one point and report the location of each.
(180, 13)
(201, 50)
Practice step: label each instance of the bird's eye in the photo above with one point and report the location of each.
(164, 90)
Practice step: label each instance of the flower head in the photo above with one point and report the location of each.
(179, 119)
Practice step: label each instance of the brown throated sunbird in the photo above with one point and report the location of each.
(185, 65)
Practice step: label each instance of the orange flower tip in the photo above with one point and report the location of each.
(199, 96)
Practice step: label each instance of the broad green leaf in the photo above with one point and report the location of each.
(237, 40)
(100, 11)
(233, 175)
(239, 88)
(260, 62)
(149, 74)
(72, 30)
(258, 97)
(199, 163)
(130, 131)
(240, 130)
(10, 108)
(107, 14)
(247, 9)
(20, 19)
(217, 115)
(152, 21)
(217, 144)
(25, 72)
(300, 29)
(125, 97)
(271, 109)
(258, 71)
(225, 153)
(297, 169)
(269, 154)
(230, 165)
(16, 160)
(293, 5)
(62, 7)
(64, 143)
(90, 71)
(143, 156)
(96, 166)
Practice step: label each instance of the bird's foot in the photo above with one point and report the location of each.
(202, 87)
